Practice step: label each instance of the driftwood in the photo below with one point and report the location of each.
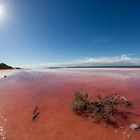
(35, 110)
(35, 116)
(35, 113)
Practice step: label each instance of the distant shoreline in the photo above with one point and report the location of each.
(94, 67)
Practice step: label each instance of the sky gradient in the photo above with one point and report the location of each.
(70, 32)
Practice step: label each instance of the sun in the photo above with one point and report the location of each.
(2, 12)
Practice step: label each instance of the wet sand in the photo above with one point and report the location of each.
(52, 91)
(8, 72)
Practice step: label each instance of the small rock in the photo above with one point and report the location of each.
(135, 126)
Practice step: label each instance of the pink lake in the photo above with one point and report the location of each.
(52, 91)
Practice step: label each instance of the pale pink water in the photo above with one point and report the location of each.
(52, 91)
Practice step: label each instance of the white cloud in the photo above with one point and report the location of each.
(93, 61)
(123, 59)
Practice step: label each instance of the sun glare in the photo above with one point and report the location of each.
(2, 12)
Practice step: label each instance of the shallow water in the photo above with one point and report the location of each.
(52, 91)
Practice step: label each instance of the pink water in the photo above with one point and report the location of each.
(52, 92)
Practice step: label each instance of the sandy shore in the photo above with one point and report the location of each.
(52, 93)
(8, 72)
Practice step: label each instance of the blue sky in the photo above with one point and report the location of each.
(70, 32)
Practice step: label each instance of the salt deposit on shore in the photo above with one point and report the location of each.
(8, 72)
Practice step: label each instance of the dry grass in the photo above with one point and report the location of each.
(103, 109)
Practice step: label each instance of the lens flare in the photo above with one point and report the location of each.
(2, 12)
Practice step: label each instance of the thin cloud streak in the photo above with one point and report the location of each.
(92, 61)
